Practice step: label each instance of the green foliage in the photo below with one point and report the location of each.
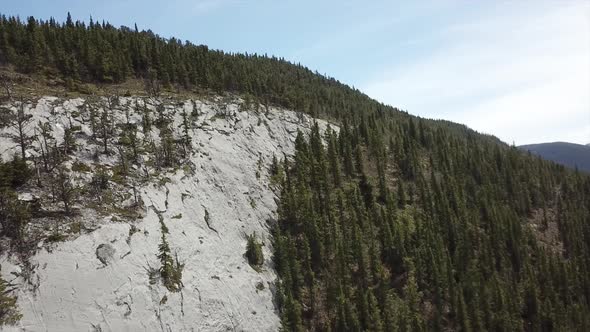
(437, 232)
(14, 174)
(79, 166)
(100, 180)
(65, 188)
(170, 268)
(56, 237)
(9, 313)
(119, 174)
(14, 215)
(277, 173)
(254, 252)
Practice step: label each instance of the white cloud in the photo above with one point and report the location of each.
(523, 76)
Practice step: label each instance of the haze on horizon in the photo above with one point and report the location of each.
(516, 70)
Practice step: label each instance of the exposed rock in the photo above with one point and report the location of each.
(105, 253)
(225, 182)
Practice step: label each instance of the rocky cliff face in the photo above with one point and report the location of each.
(96, 268)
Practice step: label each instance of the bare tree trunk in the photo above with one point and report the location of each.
(38, 174)
(21, 135)
(6, 86)
(21, 120)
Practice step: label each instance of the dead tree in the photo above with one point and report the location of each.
(105, 128)
(44, 139)
(6, 86)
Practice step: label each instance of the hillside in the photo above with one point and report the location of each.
(152, 184)
(204, 205)
(568, 154)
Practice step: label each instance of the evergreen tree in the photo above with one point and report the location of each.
(254, 251)
(9, 313)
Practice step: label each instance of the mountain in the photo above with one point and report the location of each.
(568, 154)
(149, 184)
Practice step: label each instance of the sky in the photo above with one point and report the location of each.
(519, 70)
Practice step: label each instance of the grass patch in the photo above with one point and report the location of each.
(78, 166)
(76, 227)
(163, 181)
(56, 237)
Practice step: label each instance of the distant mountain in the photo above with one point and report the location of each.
(567, 154)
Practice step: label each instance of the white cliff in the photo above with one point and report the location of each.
(68, 288)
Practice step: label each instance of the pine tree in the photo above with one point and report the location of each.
(9, 313)
(14, 215)
(375, 323)
(186, 137)
(292, 320)
(170, 269)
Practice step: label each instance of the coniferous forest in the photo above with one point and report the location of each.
(389, 223)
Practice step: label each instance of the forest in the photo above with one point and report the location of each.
(395, 226)
(391, 223)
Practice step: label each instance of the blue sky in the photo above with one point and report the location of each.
(517, 69)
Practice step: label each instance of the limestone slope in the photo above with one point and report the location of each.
(98, 279)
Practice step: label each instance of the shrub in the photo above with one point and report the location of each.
(79, 166)
(254, 252)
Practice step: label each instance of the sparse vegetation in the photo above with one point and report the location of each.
(79, 166)
(56, 237)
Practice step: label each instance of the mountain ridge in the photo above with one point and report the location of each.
(568, 154)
